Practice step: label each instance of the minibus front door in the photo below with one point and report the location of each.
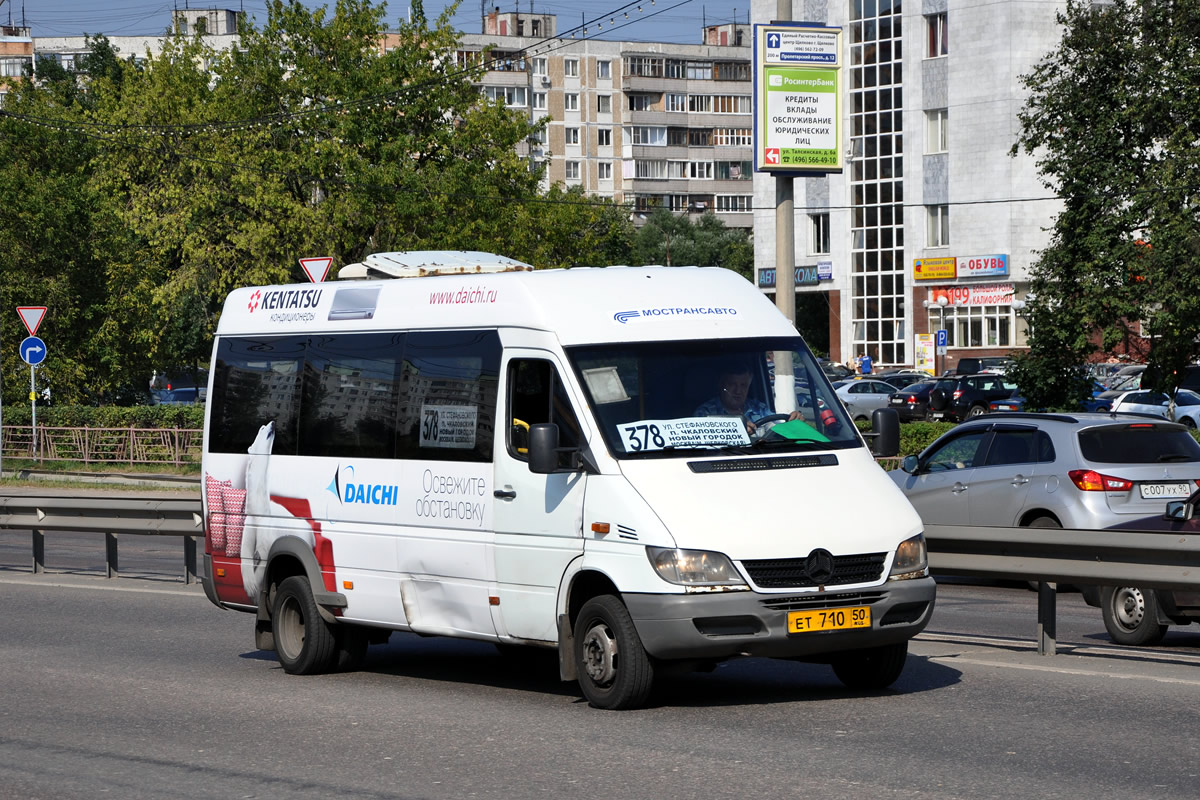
(538, 518)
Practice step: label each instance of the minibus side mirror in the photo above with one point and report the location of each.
(543, 448)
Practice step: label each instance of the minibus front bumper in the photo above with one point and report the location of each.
(728, 624)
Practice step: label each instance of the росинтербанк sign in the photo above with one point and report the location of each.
(797, 94)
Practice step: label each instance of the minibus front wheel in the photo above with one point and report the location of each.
(614, 670)
(304, 642)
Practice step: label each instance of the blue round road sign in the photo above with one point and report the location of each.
(33, 350)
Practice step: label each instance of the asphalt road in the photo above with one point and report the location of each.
(140, 688)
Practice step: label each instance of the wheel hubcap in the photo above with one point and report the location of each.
(1130, 606)
(290, 639)
(600, 654)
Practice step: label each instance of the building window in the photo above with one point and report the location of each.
(938, 234)
(676, 69)
(513, 96)
(604, 104)
(648, 135)
(571, 67)
(731, 104)
(604, 170)
(699, 71)
(738, 137)
(700, 102)
(644, 66)
(572, 170)
(641, 102)
(655, 170)
(539, 66)
(935, 131)
(677, 169)
(979, 326)
(539, 101)
(571, 101)
(604, 137)
(818, 240)
(604, 70)
(939, 39)
(735, 203)
(572, 135)
(731, 70)
(675, 101)
(699, 137)
(700, 170)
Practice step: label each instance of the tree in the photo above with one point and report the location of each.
(673, 240)
(1112, 118)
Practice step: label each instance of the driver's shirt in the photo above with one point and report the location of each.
(754, 411)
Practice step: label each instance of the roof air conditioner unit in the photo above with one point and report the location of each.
(545, 80)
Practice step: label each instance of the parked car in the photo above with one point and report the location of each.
(1136, 615)
(912, 402)
(1097, 402)
(1083, 471)
(1187, 405)
(835, 371)
(992, 364)
(863, 396)
(177, 397)
(900, 379)
(959, 397)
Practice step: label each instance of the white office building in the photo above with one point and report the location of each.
(932, 223)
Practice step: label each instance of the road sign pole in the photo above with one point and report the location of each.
(33, 412)
(785, 265)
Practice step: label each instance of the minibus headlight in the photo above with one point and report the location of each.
(912, 559)
(693, 567)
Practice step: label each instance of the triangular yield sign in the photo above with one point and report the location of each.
(316, 268)
(32, 317)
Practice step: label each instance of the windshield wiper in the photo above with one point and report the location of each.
(1174, 457)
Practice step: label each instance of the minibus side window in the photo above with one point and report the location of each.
(536, 394)
(350, 395)
(449, 382)
(256, 381)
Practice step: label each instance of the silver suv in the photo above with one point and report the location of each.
(1084, 471)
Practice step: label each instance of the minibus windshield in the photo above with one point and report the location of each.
(680, 398)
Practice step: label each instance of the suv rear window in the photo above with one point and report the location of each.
(1139, 443)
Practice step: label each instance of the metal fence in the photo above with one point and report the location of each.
(175, 446)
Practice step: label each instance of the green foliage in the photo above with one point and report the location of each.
(1112, 118)
(173, 416)
(146, 192)
(671, 239)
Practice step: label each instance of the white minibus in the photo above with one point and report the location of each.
(592, 460)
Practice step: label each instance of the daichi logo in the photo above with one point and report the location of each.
(254, 298)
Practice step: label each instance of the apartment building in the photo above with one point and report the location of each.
(16, 55)
(655, 125)
(932, 224)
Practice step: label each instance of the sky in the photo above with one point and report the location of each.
(676, 21)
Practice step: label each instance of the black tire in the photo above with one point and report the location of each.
(872, 669)
(1131, 615)
(939, 399)
(614, 670)
(1189, 423)
(976, 411)
(304, 642)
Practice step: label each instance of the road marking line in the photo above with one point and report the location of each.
(1035, 668)
(106, 587)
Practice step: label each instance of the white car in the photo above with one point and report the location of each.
(863, 396)
(1187, 405)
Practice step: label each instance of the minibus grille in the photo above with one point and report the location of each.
(772, 462)
(783, 573)
(807, 602)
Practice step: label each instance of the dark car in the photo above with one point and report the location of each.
(959, 397)
(912, 402)
(1139, 616)
(903, 379)
(1098, 402)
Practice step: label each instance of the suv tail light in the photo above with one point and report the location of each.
(958, 393)
(1088, 480)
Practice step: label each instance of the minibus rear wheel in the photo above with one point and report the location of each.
(304, 643)
(871, 669)
(614, 670)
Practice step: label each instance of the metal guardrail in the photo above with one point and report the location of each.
(111, 516)
(102, 445)
(1151, 559)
